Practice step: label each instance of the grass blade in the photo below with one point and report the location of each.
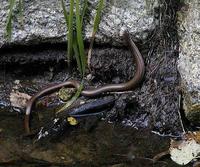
(70, 32)
(21, 6)
(77, 56)
(98, 15)
(85, 7)
(65, 14)
(80, 38)
(9, 20)
(95, 28)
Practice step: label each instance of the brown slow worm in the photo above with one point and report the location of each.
(133, 83)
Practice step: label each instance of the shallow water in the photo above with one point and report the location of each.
(91, 143)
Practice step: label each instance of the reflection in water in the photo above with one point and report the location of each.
(93, 142)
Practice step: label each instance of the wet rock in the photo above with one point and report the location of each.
(25, 55)
(189, 61)
(44, 21)
(154, 104)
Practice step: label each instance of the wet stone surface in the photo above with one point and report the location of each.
(189, 61)
(141, 108)
(155, 102)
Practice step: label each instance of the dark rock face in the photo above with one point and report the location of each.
(189, 60)
(154, 104)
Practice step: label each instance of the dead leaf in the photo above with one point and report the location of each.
(19, 99)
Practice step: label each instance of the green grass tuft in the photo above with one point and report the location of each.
(75, 39)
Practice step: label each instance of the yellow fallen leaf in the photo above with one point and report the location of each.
(72, 121)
